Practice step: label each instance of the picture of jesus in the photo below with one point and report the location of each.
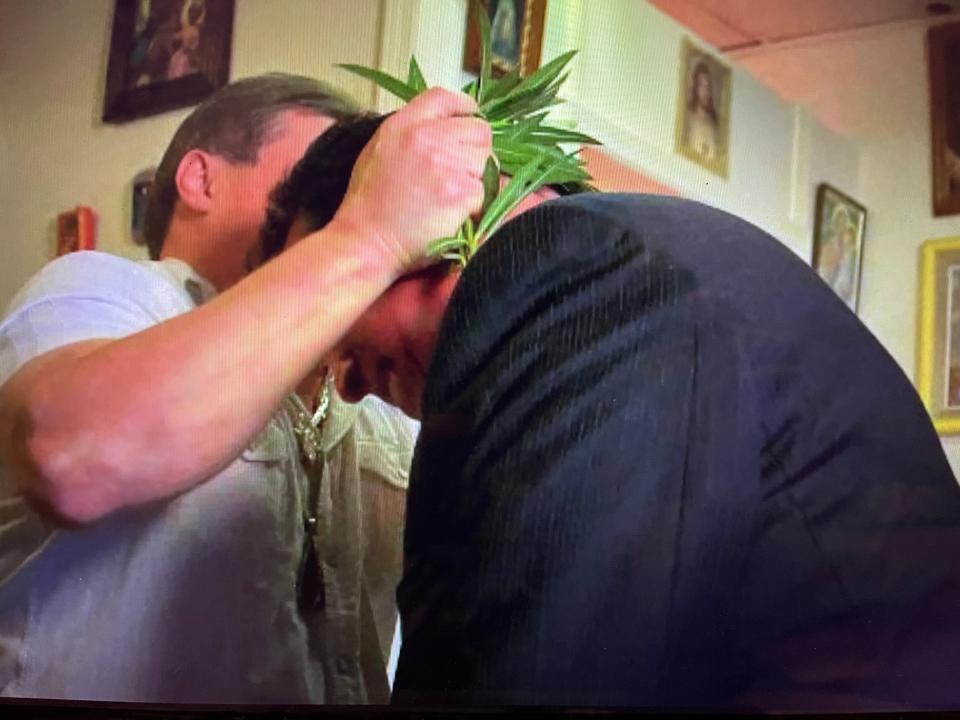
(703, 109)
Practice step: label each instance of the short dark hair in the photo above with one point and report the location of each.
(318, 183)
(234, 123)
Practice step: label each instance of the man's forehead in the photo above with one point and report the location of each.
(300, 126)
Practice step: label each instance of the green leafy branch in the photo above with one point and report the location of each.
(525, 146)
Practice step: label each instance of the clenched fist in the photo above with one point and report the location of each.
(420, 176)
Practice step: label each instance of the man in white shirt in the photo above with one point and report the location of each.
(161, 539)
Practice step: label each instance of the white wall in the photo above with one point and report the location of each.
(56, 154)
(876, 84)
(895, 180)
(624, 89)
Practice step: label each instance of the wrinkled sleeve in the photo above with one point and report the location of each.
(81, 296)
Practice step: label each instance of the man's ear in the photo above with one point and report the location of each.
(195, 179)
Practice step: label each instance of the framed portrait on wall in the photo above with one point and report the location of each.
(166, 54)
(703, 109)
(839, 226)
(938, 342)
(516, 35)
(943, 45)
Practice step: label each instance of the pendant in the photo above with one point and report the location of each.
(308, 428)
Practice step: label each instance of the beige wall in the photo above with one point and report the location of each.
(54, 151)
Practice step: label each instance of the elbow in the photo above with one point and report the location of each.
(53, 475)
(64, 511)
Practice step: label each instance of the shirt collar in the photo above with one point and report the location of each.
(197, 287)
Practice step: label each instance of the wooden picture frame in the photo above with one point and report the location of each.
(938, 341)
(703, 109)
(166, 54)
(839, 225)
(516, 35)
(943, 49)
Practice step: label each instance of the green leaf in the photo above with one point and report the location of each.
(485, 50)
(522, 128)
(518, 105)
(530, 179)
(560, 176)
(471, 235)
(524, 146)
(541, 80)
(509, 146)
(386, 81)
(523, 105)
(443, 245)
(415, 77)
(533, 85)
(508, 198)
(491, 182)
(531, 131)
(539, 133)
(471, 89)
(498, 88)
(566, 170)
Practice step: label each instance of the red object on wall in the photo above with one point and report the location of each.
(76, 230)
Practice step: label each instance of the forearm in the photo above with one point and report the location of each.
(115, 423)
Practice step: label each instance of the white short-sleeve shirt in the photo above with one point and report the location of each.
(193, 599)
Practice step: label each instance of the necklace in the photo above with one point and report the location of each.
(308, 426)
(310, 585)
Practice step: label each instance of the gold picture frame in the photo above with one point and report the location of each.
(519, 26)
(703, 109)
(938, 342)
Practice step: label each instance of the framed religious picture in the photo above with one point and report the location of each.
(703, 109)
(76, 230)
(838, 229)
(166, 54)
(944, 58)
(938, 343)
(516, 35)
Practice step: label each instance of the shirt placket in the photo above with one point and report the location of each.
(338, 550)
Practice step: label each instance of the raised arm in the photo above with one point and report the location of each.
(103, 424)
